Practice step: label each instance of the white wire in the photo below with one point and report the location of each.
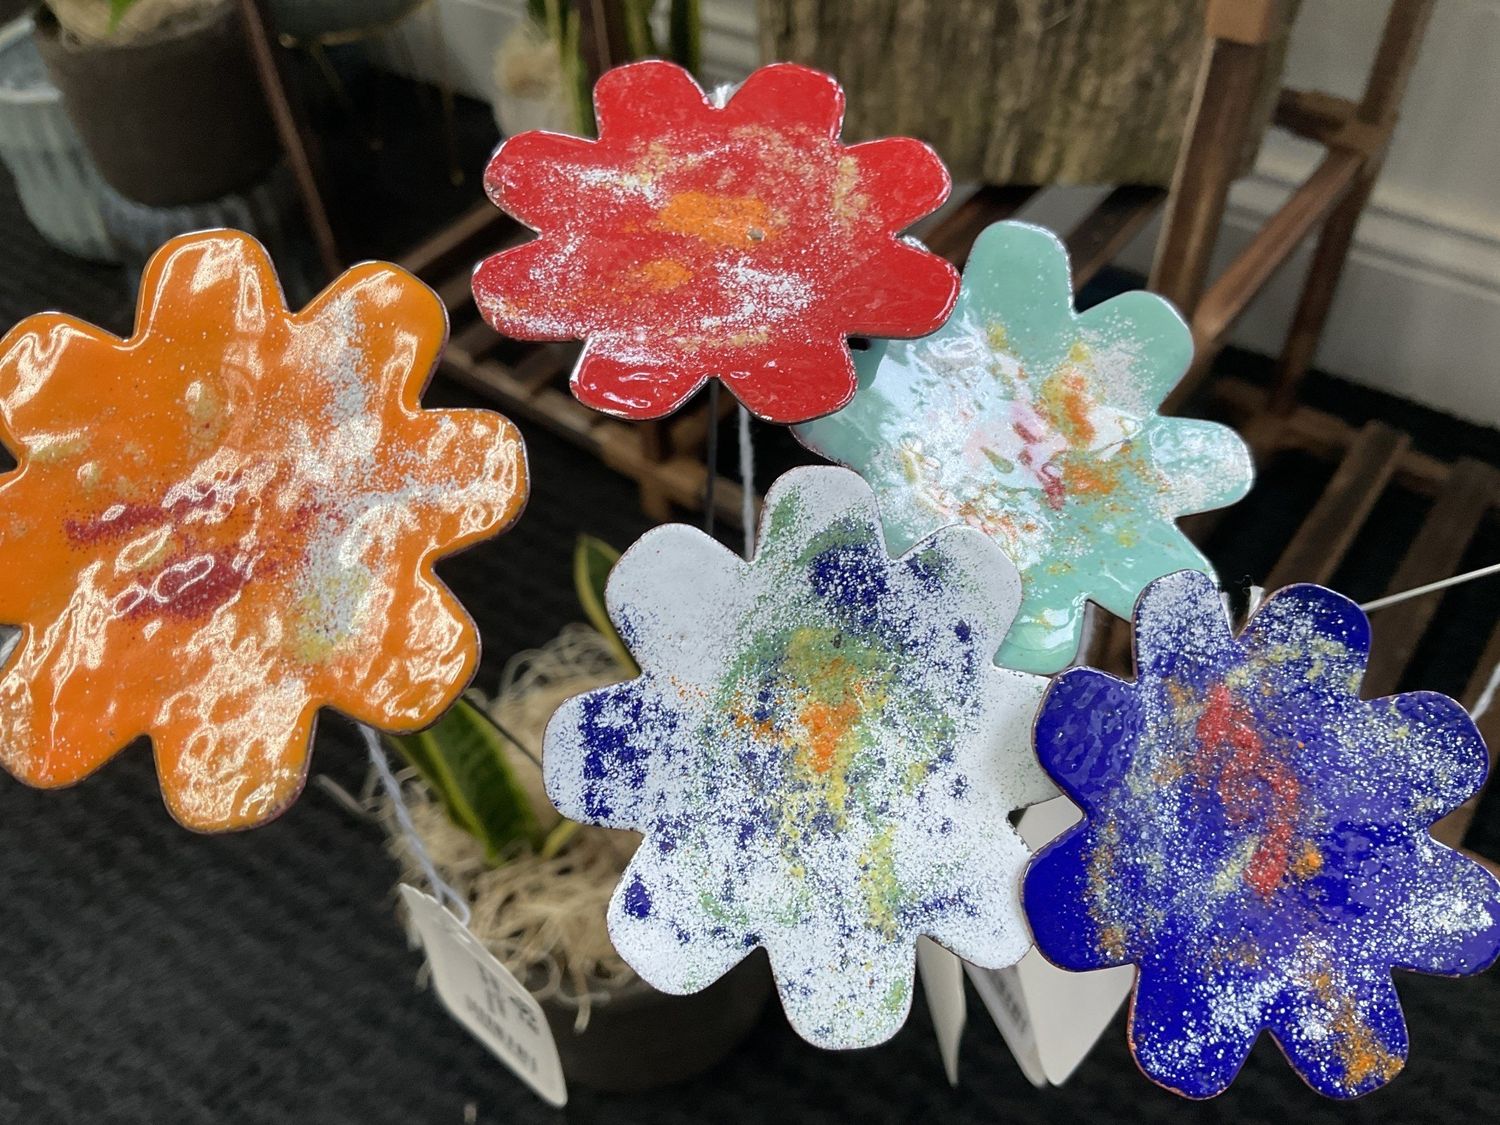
(1443, 584)
(747, 483)
(403, 817)
(1487, 696)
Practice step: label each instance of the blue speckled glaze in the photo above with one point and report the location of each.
(1255, 839)
(819, 752)
(1038, 425)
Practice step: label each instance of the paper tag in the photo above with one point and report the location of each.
(481, 994)
(942, 976)
(1003, 999)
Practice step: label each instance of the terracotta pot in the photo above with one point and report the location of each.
(170, 120)
(642, 1039)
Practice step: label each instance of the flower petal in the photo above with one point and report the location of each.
(905, 175)
(1427, 744)
(629, 387)
(535, 176)
(797, 383)
(234, 759)
(848, 993)
(1180, 621)
(791, 95)
(1202, 465)
(1451, 924)
(648, 98)
(1349, 1040)
(213, 283)
(56, 729)
(1319, 635)
(459, 475)
(670, 596)
(1180, 1037)
(1017, 277)
(1086, 733)
(657, 924)
(411, 650)
(517, 297)
(77, 365)
(903, 291)
(1140, 345)
(608, 754)
(377, 333)
(1056, 895)
(1043, 638)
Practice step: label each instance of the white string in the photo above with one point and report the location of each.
(747, 483)
(1443, 584)
(1487, 696)
(403, 817)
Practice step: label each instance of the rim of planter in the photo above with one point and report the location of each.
(24, 27)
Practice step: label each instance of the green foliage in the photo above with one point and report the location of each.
(593, 559)
(117, 10)
(560, 20)
(685, 34)
(462, 757)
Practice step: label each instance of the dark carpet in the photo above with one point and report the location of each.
(150, 975)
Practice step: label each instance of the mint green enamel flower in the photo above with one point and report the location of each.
(1038, 426)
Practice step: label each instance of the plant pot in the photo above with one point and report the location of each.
(57, 183)
(175, 119)
(642, 1039)
(266, 209)
(313, 20)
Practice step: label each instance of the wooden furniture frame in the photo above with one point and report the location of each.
(667, 458)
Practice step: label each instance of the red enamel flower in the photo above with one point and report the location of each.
(695, 240)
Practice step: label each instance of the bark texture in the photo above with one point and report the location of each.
(1017, 91)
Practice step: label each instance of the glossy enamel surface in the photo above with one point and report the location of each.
(1255, 839)
(1038, 426)
(229, 520)
(820, 753)
(692, 241)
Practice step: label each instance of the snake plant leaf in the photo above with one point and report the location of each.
(684, 32)
(593, 559)
(463, 758)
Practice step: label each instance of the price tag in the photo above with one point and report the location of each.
(481, 994)
(942, 976)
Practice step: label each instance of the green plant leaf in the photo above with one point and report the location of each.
(117, 10)
(463, 758)
(593, 559)
(685, 34)
(639, 37)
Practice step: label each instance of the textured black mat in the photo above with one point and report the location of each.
(149, 975)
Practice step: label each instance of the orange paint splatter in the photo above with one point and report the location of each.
(721, 220)
(1255, 787)
(663, 274)
(826, 726)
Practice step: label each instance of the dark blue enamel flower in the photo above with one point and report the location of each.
(1255, 839)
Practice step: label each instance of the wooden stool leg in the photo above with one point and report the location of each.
(1400, 40)
(1238, 33)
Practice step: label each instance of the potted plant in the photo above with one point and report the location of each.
(541, 81)
(164, 94)
(538, 884)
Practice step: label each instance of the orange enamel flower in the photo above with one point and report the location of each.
(229, 520)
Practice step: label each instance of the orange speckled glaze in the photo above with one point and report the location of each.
(229, 520)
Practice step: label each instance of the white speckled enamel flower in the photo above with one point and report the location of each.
(819, 751)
